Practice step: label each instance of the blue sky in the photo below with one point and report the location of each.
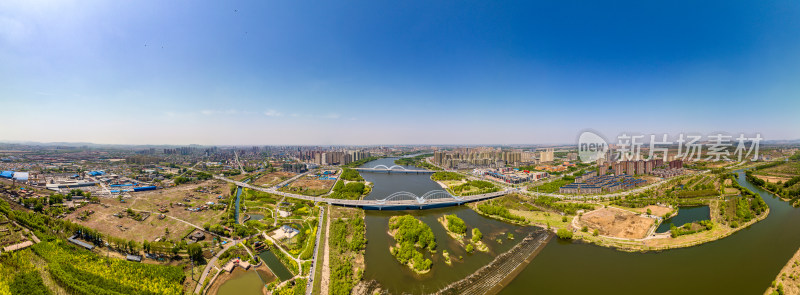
(374, 72)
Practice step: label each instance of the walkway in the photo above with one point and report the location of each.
(491, 278)
(310, 281)
(211, 262)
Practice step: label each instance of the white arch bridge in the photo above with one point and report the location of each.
(396, 201)
(393, 169)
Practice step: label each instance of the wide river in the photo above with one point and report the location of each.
(743, 263)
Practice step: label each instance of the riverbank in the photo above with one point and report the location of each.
(493, 277)
(647, 243)
(788, 279)
(664, 241)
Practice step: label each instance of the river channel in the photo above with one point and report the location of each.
(396, 278)
(743, 263)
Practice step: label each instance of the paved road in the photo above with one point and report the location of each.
(376, 204)
(310, 281)
(211, 262)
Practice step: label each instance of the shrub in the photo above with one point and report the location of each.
(564, 234)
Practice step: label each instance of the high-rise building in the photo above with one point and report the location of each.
(547, 155)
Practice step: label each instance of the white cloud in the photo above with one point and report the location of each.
(332, 116)
(221, 112)
(272, 113)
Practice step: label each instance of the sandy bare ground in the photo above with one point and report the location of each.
(773, 179)
(656, 210)
(273, 178)
(326, 261)
(314, 184)
(152, 227)
(616, 222)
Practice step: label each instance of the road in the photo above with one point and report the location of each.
(377, 204)
(212, 262)
(310, 281)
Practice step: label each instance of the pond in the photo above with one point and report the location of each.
(275, 265)
(242, 282)
(685, 215)
(256, 217)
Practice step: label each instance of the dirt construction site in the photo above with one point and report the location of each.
(273, 178)
(167, 213)
(615, 222)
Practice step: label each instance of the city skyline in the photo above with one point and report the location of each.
(257, 73)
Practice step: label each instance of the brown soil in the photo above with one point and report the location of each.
(273, 178)
(657, 210)
(153, 227)
(617, 223)
(313, 184)
(773, 179)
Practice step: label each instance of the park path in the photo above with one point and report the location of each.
(211, 262)
(326, 260)
(310, 281)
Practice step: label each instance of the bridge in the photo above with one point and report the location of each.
(395, 201)
(393, 169)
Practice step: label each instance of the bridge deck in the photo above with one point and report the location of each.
(379, 204)
(394, 170)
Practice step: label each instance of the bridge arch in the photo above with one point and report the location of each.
(407, 196)
(384, 167)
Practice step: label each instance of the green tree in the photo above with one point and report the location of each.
(476, 235)
(195, 252)
(564, 234)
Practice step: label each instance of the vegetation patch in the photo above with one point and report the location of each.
(441, 176)
(411, 234)
(552, 186)
(83, 272)
(347, 241)
(473, 187)
(417, 161)
(349, 191)
(351, 175)
(691, 228)
(496, 210)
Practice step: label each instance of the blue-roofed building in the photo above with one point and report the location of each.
(21, 176)
(80, 243)
(135, 258)
(144, 188)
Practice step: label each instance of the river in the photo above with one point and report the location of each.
(743, 263)
(397, 278)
